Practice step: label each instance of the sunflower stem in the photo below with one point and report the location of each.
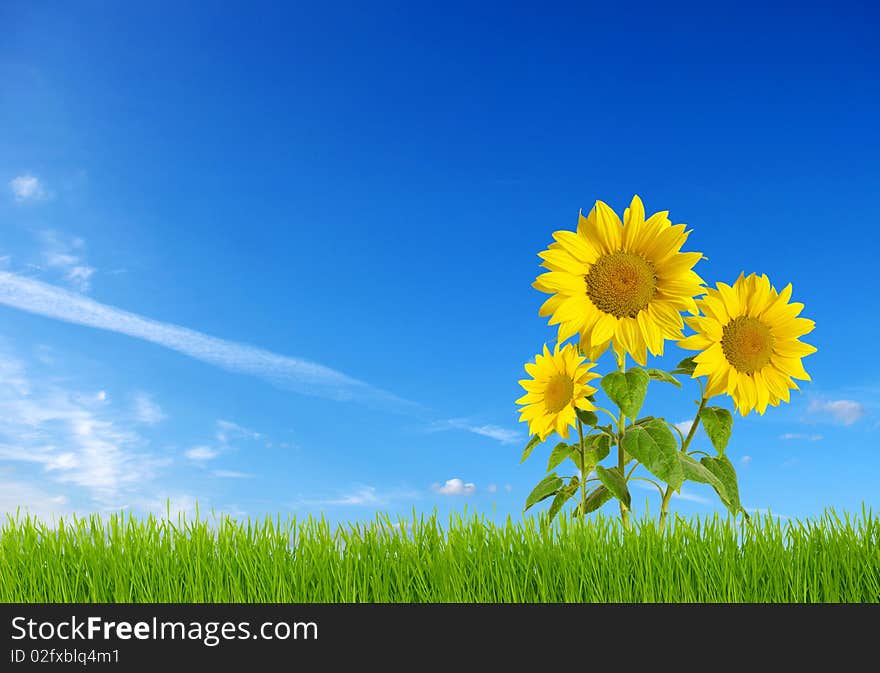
(621, 462)
(667, 496)
(583, 469)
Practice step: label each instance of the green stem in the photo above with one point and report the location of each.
(583, 469)
(667, 496)
(621, 463)
(603, 410)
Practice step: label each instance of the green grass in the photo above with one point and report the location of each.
(469, 559)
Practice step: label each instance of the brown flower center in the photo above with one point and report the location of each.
(558, 393)
(621, 284)
(747, 344)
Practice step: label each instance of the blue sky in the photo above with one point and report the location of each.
(309, 234)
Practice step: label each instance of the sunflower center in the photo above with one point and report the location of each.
(621, 284)
(558, 393)
(747, 344)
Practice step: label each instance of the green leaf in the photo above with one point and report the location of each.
(694, 471)
(666, 377)
(545, 488)
(723, 469)
(686, 366)
(575, 454)
(562, 497)
(601, 447)
(642, 421)
(588, 418)
(654, 446)
(627, 390)
(614, 482)
(533, 442)
(595, 499)
(718, 423)
(559, 453)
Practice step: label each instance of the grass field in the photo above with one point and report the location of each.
(467, 559)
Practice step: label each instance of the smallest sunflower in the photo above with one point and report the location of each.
(558, 386)
(749, 337)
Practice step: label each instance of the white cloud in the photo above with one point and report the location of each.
(788, 436)
(455, 486)
(508, 488)
(745, 461)
(684, 495)
(13, 376)
(228, 431)
(27, 188)
(495, 432)
(846, 412)
(79, 276)
(25, 497)
(64, 254)
(146, 410)
(201, 453)
(684, 426)
(492, 488)
(765, 511)
(692, 497)
(231, 474)
(360, 496)
(172, 507)
(303, 376)
(72, 437)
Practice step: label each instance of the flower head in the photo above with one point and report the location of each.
(558, 386)
(620, 283)
(748, 335)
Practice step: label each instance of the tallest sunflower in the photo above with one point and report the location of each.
(622, 283)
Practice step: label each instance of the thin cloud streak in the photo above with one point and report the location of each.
(296, 374)
(495, 432)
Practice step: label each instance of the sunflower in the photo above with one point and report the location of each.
(748, 335)
(558, 386)
(624, 284)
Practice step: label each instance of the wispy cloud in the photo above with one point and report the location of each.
(146, 410)
(228, 431)
(845, 412)
(360, 496)
(296, 374)
(455, 486)
(66, 256)
(231, 474)
(25, 497)
(684, 495)
(684, 426)
(745, 461)
(74, 437)
(503, 435)
(765, 511)
(27, 187)
(201, 453)
(789, 436)
(172, 506)
(692, 497)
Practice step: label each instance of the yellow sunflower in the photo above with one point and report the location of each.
(621, 283)
(748, 335)
(558, 386)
